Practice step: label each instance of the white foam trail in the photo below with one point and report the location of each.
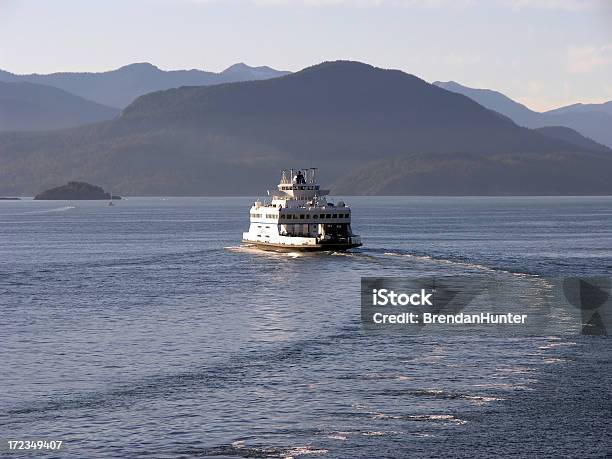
(438, 417)
(478, 266)
(302, 451)
(258, 251)
(56, 209)
(337, 437)
(364, 255)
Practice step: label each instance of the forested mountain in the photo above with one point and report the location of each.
(28, 106)
(338, 116)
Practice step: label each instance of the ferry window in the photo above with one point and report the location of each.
(328, 215)
(322, 215)
(335, 216)
(315, 216)
(301, 216)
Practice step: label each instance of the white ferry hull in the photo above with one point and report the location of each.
(318, 247)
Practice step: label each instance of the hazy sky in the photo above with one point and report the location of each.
(544, 53)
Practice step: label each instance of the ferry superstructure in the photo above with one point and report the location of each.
(297, 216)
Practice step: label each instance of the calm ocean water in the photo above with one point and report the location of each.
(145, 330)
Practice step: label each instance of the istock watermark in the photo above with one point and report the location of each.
(489, 305)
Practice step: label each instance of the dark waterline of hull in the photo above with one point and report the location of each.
(298, 248)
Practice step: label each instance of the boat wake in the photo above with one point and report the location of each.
(46, 211)
(270, 253)
(383, 256)
(378, 254)
(42, 211)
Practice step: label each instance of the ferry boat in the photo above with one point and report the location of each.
(297, 216)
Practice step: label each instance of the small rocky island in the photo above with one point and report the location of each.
(75, 191)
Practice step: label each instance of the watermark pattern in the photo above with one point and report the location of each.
(521, 306)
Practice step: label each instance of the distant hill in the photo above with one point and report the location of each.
(232, 139)
(27, 106)
(593, 121)
(118, 88)
(569, 135)
(243, 72)
(75, 191)
(465, 174)
(496, 101)
(604, 107)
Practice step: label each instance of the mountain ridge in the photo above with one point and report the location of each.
(234, 137)
(119, 87)
(580, 107)
(594, 124)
